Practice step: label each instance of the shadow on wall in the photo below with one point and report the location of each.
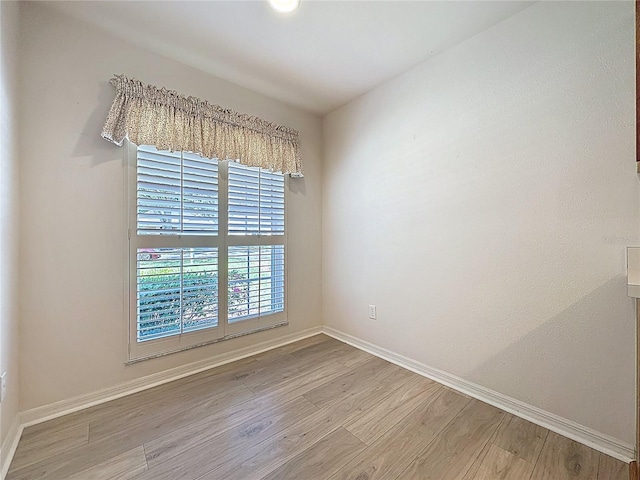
(90, 143)
(297, 186)
(589, 347)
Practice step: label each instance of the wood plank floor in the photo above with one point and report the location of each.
(314, 409)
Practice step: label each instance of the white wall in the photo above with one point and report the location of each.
(483, 202)
(72, 212)
(9, 14)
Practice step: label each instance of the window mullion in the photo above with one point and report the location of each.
(249, 280)
(259, 200)
(182, 191)
(260, 279)
(181, 291)
(260, 178)
(223, 250)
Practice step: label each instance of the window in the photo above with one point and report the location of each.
(206, 250)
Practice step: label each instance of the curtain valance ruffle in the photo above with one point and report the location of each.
(148, 115)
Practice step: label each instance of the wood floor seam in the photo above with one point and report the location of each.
(539, 453)
(144, 451)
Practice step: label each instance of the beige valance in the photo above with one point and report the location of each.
(149, 115)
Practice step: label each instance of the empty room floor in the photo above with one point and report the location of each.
(314, 409)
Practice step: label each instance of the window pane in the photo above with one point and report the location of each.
(159, 199)
(200, 288)
(177, 291)
(176, 193)
(256, 201)
(199, 195)
(256, 281)
(158, 281)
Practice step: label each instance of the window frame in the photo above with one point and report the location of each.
(139, 351)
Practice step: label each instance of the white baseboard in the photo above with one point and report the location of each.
(64, 407)
(562, 426)
(8, 448)
(587, 436)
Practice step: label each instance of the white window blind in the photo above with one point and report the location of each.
(256, 281)
(177, 291)
(200, 227)
(256, 201)
(177, 193)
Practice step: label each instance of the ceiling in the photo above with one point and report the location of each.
(319, 57)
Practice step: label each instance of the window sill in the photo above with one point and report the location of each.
(133, 361)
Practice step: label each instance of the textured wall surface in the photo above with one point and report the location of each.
(9, 209)
(72, 207)
(483, 201)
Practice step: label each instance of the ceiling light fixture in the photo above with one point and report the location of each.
(284, 6)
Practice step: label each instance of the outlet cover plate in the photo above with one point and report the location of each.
(3, 386)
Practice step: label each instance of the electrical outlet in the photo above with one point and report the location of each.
(372, 312)
(3, 386)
